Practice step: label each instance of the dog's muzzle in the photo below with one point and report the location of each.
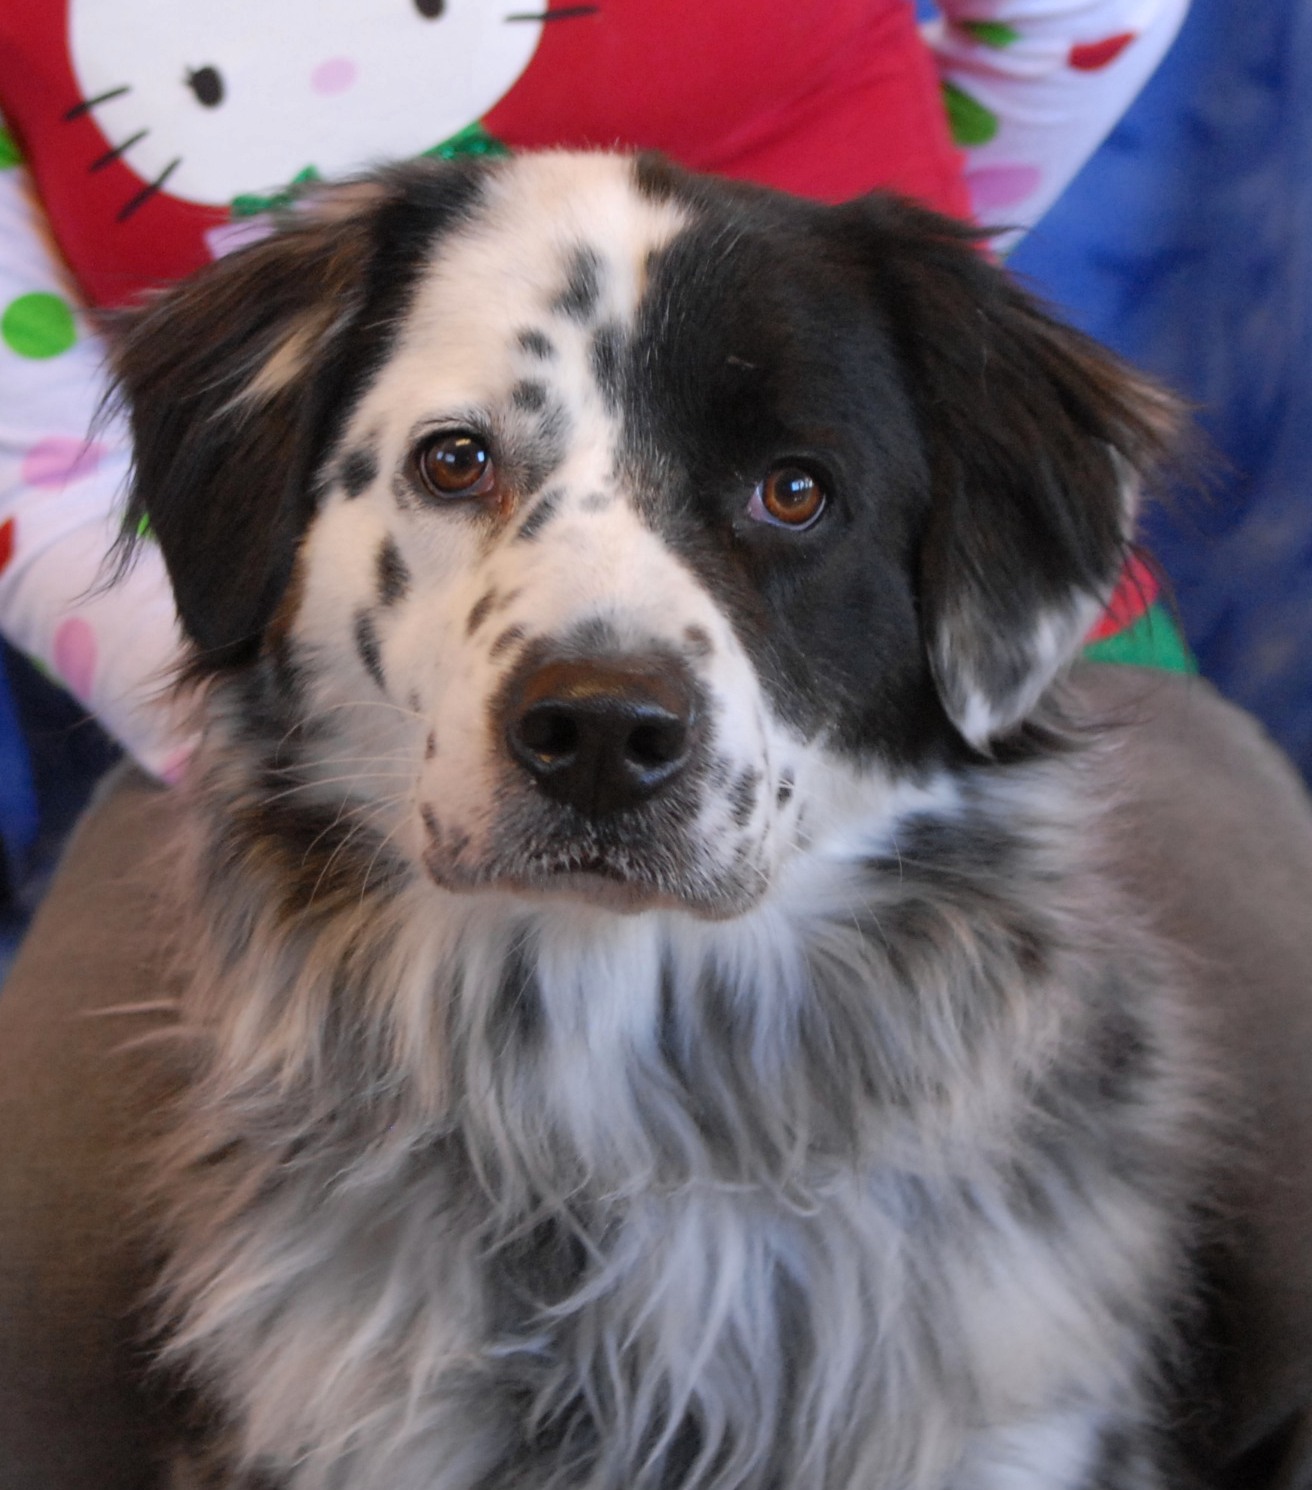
(602, 735)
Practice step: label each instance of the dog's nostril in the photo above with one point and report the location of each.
(657, 742)
(550, 733)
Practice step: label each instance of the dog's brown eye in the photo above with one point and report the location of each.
(456, 464)
(789, 497)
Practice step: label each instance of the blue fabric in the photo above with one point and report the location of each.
(18, 810)
(1186, 244)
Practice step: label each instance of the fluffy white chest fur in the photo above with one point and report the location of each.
(662, 1016)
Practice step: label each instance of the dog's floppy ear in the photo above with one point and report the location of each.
(1038, 442)
(233, 378)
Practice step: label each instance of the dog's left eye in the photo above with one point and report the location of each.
(456, 463)
(789, 497)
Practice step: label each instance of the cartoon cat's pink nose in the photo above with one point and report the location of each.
(334, 76)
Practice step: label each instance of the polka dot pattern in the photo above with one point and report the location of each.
(971, 123)
(75, 656)
(10, 155)
(38, 325)
(8, 532)
(1092, 55)
(992, 33)
(59, 459)
(995, 187)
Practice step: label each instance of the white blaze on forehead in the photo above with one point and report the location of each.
(500, 274)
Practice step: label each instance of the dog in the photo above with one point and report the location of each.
(661, 1015)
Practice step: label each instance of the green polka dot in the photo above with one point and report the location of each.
(9, 155)
(970, 122)
(38, 325)
(992, 33)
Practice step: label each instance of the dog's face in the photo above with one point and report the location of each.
(597, 530)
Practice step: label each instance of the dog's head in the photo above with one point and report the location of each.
(609, 531)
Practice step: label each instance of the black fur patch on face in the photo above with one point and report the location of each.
(742, 797)
(777, 353)
(537, 344)
(698, 641)
(544, 509)
(358, 471)
(479, 611)
(538, 455)
(605, 352)
(578, 300)
(326, 858)
(529, 395)
(872, 346)
(366, 644)
(507, 639)
(392, 574)
(431, 825)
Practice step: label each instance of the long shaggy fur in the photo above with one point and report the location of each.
(859, 1143)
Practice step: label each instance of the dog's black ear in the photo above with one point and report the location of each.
(233, 380)
(1039, 443)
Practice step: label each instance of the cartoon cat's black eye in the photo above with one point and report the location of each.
(430, 9)
(207, 84)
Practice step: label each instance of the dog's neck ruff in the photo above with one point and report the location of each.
(645, 1160)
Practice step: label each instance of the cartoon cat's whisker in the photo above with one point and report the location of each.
(567, 13)
(88, 104)
(112, 155)
(147, 191)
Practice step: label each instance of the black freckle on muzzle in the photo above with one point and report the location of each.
(601, 734)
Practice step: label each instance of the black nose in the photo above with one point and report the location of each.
(602, 735)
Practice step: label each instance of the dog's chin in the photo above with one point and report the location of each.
(626, 889)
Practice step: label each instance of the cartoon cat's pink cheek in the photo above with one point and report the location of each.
(334, 76)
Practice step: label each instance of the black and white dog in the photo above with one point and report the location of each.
(662, 1016)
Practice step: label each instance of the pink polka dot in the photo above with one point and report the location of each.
(174, 766)
(75, 656)
(992, 187)
(334, 76)
(59, 459)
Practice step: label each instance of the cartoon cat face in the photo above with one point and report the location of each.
(213, 100)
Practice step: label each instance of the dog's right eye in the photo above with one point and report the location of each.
(455, 464)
